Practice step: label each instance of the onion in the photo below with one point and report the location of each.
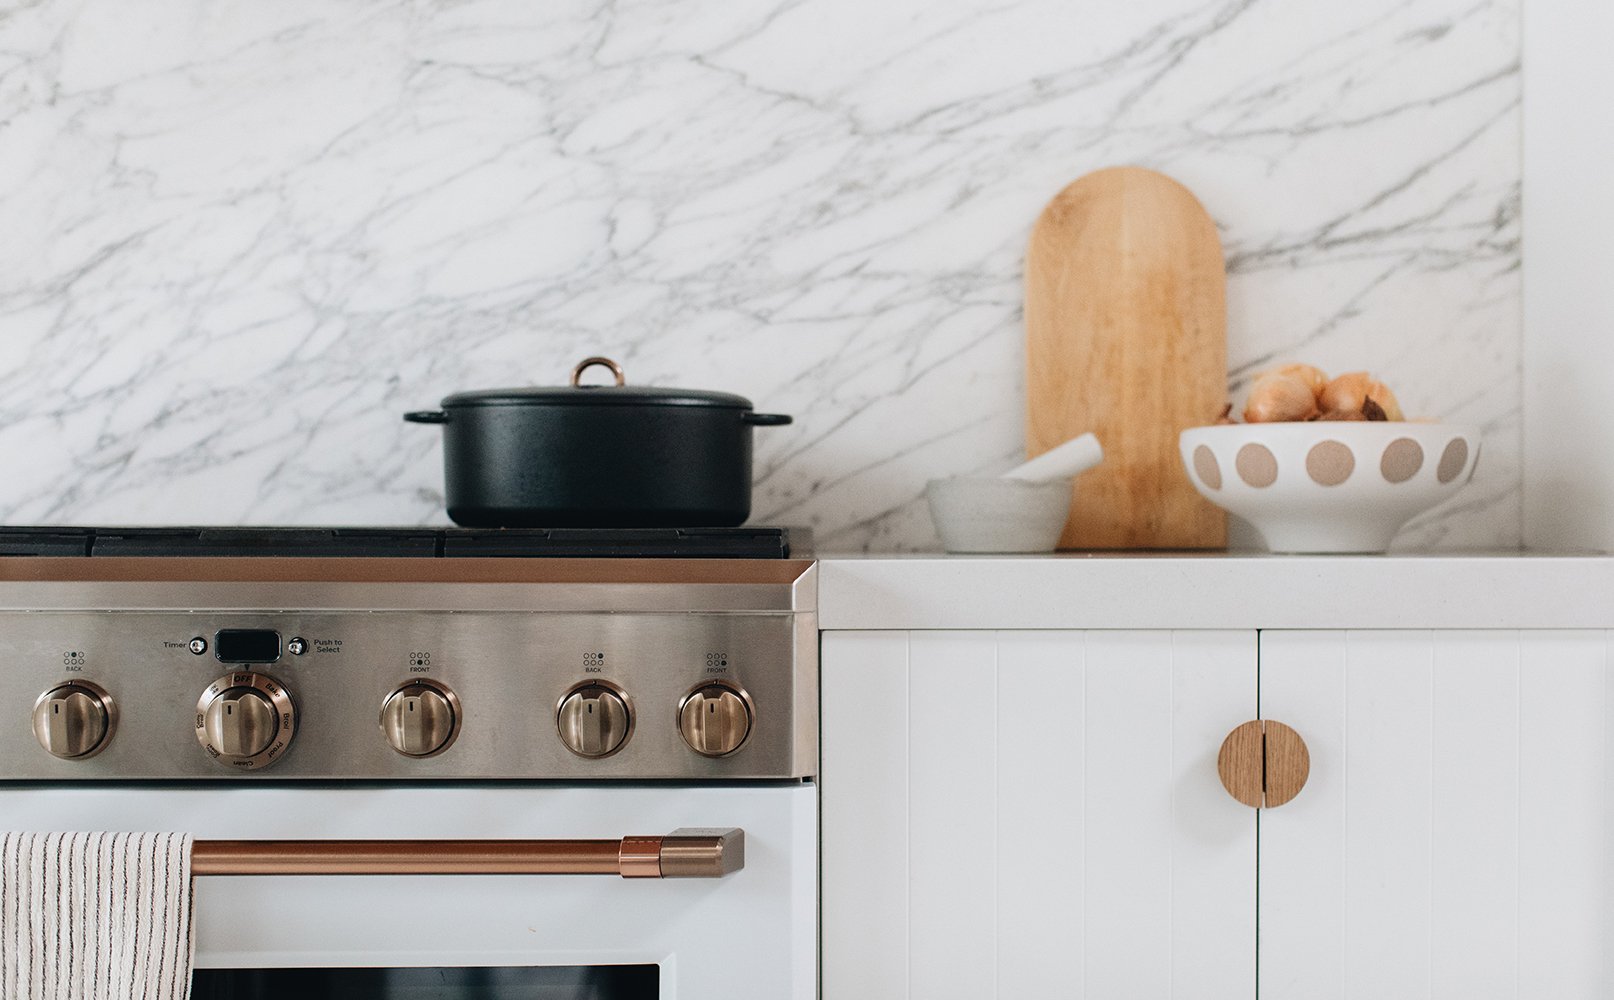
(1277, 397)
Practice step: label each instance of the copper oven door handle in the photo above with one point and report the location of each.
(685, 853)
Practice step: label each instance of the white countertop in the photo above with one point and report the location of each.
(1216, 590)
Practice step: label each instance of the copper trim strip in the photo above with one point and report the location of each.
(695, 854)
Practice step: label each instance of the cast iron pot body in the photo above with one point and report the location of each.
(607, 456)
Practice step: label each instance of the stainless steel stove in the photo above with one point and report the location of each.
(404, 666)
(420, 685)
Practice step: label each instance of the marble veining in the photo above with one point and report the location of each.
(238, 240)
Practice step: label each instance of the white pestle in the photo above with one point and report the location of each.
(1060, 462)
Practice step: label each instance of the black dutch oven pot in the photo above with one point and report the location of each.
(597, 456)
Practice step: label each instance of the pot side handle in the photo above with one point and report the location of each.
(427, 417)
(765, 419)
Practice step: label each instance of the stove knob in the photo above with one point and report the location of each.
(73, 720)
(715, 719)
(245, 720)
(420, 718)
(241, 723)
(594, 720)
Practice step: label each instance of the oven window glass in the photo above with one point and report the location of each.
(600, 982)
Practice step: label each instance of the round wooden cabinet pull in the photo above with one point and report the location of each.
(1263, 764)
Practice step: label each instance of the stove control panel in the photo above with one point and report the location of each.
(408, 695)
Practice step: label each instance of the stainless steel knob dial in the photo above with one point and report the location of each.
(73, 720)
(420, 718)
(594, 720)
(245, 720)
(715, 719)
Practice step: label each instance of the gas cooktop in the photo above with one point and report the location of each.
(587, 543)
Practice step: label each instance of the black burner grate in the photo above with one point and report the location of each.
(528, 543)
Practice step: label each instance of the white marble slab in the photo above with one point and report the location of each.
(237, 239)
(1498, 590)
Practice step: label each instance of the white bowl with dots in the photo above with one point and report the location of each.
(1329, 486)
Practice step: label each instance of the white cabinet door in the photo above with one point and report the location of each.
(1035, 814)
(1453, 840)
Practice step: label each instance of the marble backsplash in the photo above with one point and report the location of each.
(238, 240)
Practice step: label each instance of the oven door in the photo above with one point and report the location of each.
(751, 933)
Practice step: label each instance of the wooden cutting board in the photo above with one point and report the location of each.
(1126, 336)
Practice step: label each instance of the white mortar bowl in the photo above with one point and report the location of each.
(1329, 486)
(979, 514)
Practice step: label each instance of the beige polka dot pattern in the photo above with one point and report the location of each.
(1330, 463)
(1401, 460)
(1452, 460)
(1210, 473)
(1256, 465)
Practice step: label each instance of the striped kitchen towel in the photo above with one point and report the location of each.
(95, 916)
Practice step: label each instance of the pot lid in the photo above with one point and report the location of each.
(577, 394)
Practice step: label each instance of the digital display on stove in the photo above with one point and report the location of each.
(247, 645)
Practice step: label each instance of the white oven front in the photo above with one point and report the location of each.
(748, 934)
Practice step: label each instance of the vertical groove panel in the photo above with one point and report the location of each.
(1128, 814)
(1212, 836)
(1023, 813)
(1563, 831)
(1040, 823)
(1469, 773)
(1606, 813)
(863, 788)
(1388, 717)
(952, 777)
(1302, 905)
(1475, 868)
